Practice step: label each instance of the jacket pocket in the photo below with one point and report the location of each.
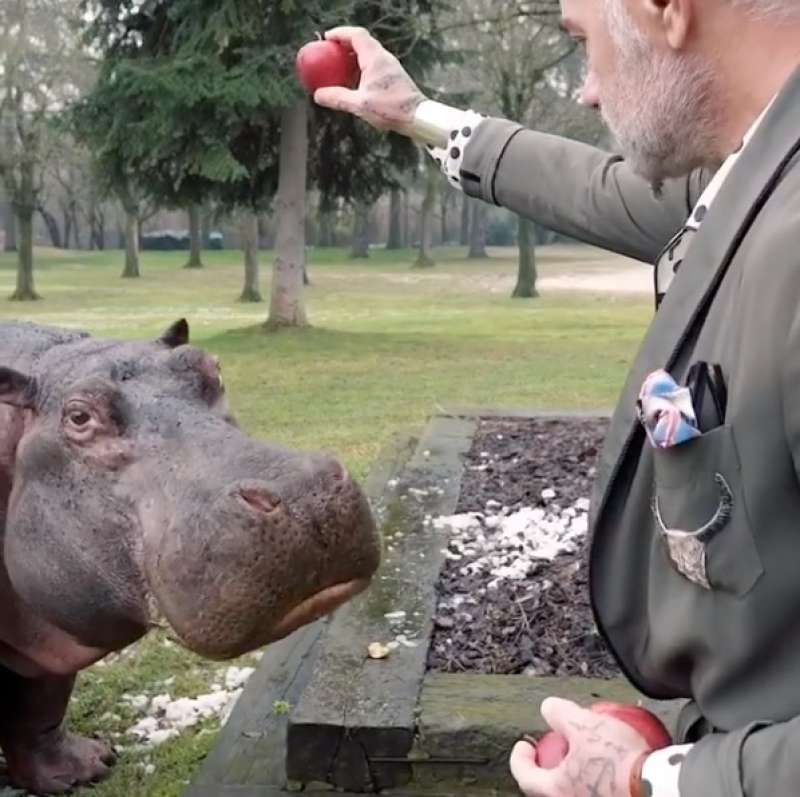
(701, 513)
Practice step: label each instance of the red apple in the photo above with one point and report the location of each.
(326, 63)
(640, 719)
(552, 748)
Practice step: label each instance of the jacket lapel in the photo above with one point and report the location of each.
(740, 199)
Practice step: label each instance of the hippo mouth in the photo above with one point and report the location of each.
(318, 605)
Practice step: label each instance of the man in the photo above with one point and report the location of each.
(696, 529)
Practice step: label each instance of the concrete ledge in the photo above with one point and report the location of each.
(472, 721)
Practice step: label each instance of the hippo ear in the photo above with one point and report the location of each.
(16, 388)
(176, 335)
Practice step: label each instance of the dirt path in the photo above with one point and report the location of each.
(626, 280)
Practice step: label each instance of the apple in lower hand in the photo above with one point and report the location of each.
(552, 748)
(641, 720)
(326, 63)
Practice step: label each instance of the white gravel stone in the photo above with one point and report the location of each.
(237, 676)
(506, 545)
(167, 717)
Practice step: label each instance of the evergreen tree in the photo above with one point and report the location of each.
(353, 162)
(198, 100)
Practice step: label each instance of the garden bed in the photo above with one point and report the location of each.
(513, 594)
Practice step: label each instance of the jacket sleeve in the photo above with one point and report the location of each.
(761, 760)
(576, 189)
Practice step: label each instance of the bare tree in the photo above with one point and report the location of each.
(424, 258)
(361, 221)
(477, 230)
(41, 69)
(249, 227)
(522, 66)
(395, 240)
(195, 237)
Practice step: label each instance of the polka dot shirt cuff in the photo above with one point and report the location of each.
(450, 158)
(661, 771)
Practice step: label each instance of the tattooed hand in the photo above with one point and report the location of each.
(602, 753)
(386, 97)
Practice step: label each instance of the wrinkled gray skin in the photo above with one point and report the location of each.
(128, 495)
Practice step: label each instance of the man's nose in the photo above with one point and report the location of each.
(590, 94)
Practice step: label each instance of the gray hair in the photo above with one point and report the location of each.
(788, 10)
(783, 10)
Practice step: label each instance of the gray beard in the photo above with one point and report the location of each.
(663, 108)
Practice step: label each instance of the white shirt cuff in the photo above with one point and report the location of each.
(662, 769)
(452, 129)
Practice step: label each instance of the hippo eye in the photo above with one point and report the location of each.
(79, 418)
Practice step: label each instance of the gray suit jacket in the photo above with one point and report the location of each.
(732, 645)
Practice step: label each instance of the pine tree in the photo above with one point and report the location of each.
(198, 100)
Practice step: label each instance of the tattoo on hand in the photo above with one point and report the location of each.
(385, 82)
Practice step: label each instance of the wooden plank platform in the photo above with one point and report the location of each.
(358, 713)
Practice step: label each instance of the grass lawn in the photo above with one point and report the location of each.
(387, 346)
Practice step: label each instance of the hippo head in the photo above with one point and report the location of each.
(136, 497)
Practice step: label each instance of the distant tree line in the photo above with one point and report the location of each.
(115, 113)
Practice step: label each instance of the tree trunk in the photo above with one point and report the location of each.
(477, 233)
(406, 220)
(25, 288)
(325, 224)
(25, 207)
(526, 275)
(263, 231)
(10, 226)
(251, 291)
(395, 240)
(75, 226)
(205, 226)
(53, 230)
(66, 218)
(195, 238)
(287, 308)
(463, 238)
(131, 269)
(360, 247)
(97, 230)
(443, 205)
(424, 259)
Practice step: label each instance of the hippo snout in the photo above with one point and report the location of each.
(267, 556)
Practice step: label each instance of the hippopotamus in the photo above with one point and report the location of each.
(130, 498)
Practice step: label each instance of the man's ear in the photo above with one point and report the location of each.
(675, 19)
(17, 389)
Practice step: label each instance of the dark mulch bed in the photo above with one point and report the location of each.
(541, 625)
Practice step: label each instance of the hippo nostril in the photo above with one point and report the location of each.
(260, 499)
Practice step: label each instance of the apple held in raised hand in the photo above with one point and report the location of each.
(552, 748)
(326, 63)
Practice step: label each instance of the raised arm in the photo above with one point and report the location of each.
(576, 189)
(562, 184)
